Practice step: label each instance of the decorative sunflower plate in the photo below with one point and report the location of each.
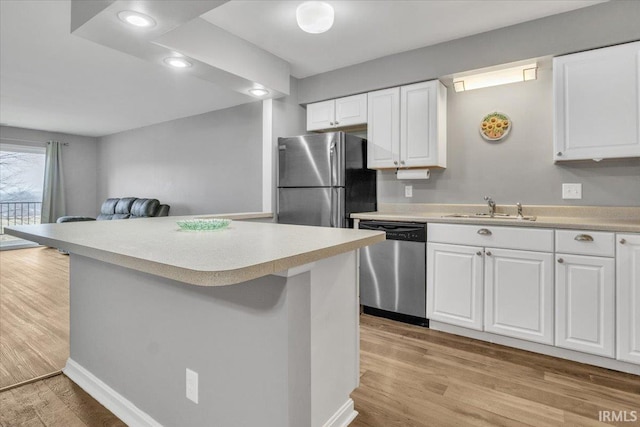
(204, 224)
(495, 126)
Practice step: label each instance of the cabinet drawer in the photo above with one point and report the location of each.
(581, 242)
(529, 239)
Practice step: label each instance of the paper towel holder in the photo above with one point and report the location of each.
(413, 173)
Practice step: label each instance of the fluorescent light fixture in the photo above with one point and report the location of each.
(315, 17)
(177, 62)
(517, 74)
(136, 19)
(258, 92)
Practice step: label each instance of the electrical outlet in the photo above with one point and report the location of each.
(572, 191)
(192, 385)
(408, 191)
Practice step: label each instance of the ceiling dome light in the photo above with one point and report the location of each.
(314, 17)
(177, 62)
(136, 19)
(258, 92)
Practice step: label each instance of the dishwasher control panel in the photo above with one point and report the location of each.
(406, 231)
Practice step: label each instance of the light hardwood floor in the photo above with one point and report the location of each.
(34, 313)
(410, 377)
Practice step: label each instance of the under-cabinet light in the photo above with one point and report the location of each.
(498, 77)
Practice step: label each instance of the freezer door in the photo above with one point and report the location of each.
(311, 160)
(311, 206)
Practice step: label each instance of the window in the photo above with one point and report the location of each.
(21, 184)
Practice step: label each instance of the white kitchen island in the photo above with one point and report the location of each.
(265, 314)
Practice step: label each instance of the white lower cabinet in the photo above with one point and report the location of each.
(519, 294)
(628, 297)
(585, 304)
(454, 284)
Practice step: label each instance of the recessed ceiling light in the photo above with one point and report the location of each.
(315, 17)
(136, 19)
(177, 62)
(258, 92)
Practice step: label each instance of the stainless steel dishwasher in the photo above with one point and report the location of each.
(393, 273)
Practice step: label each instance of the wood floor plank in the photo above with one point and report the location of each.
(34, 313)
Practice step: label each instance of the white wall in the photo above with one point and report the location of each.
(79, 162)
(209, 163)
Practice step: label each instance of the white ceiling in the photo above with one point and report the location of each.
(53, 80)
(365, 30)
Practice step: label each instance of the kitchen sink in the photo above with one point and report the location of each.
(487, 216)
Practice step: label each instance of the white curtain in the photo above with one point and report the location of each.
(53, 201)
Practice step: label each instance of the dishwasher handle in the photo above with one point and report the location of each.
(415, 232)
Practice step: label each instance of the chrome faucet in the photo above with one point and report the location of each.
(519, 206)
(492, 205)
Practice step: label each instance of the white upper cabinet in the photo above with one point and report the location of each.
(337, 113)
(597, 103)
(628, 297)
(407, 126)
(383, 127)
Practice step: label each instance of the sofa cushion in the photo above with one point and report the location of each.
(145, 207)
(109, 207)
(124, 205)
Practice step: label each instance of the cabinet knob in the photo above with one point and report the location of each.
(623, 241)
(395, 162)
(488, 253)
(402, 162)
(560, 260)
(331, 123)
(559, 153)
(484, 232)
(337, 122)
(479, 253)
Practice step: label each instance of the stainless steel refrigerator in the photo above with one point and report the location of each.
(323, 178)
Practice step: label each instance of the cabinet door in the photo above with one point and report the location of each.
(383, 128)
(585, 304)
(419, 136)
(454, 284)
(321, 115)
(628, 297)
(519, 294)
(351, 110)
(596, 97)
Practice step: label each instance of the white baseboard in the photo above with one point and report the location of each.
(344, 415)
(122, 408)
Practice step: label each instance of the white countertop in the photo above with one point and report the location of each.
(615, 219)
(244, 251)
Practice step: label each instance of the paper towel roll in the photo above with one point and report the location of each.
(413, 174)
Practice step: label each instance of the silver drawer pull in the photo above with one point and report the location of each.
(488, 253)
(560, 260)
(484, 232)
(583, 238)
(623, 241)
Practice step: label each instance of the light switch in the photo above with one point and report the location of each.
(572, 191)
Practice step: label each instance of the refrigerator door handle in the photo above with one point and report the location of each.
(332, 209)
(333, 165)
(336, 208)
